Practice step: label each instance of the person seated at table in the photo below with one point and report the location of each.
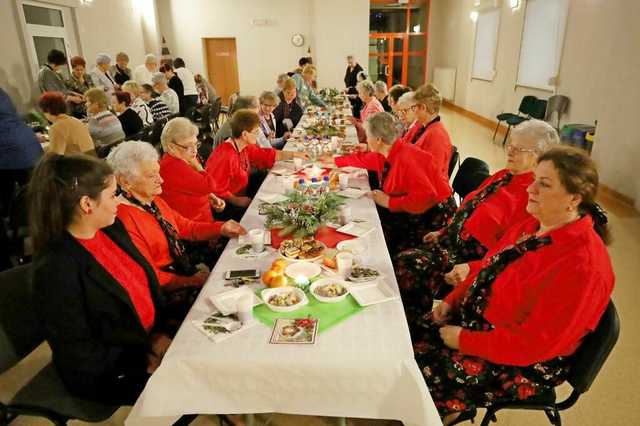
(96, 296)
(382, 94)
(78, 83)
(427, 272)
(230, 163)
(159, 109)
(288, 113)
(414, 198)
(411, 129)
(143, 73)
(371, 105)
(506, 332)
(434, 136)
(187, 187)
(240, 102)
(100, 74)
(49, 78)
(155, 228)
(137, 103)
(304, 86)
(104, 127)
(129, 119)
(120, 70)
(167, 94)
(67, 135)
(395, 92)
(280, 83)
(268, 102)
(175, 84)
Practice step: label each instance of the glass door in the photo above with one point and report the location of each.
(385, 58)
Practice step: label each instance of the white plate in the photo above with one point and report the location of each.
(313, 259)
(357, 229)
(269, 292)
(272, 198)
(325, 281)
(226, 302)
(306, 269)
(372, 293)
(365, 279)
(352, 193)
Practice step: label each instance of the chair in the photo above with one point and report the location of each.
(203, 121)
(538, 109)
(471, 173)
(20, 333)
(526, 104)
(216, 109)
(455, 159)
(585, 363)
(559, 105)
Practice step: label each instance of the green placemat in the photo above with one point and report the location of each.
(327, 314)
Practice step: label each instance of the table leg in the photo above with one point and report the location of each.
(250, 419)
(342, 421)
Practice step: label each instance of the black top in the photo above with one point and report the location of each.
(385, 104)
(131, 122)
(93, 329)
(292, 111)
(120, 76)
(176, 84)
(351, 77)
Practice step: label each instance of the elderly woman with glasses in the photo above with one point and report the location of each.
(100, 74)
(187, 187)
(405, 113)
(485, 214)
(156, 229)
(371, 105)
(268, 125)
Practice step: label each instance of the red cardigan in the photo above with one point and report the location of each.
(185, 189)
(412, 183)
(499, 211)
(544, 303)
(225, 166)
(147, 235)
(436, 141)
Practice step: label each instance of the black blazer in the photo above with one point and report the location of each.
(293, 111)
(351, 77)
(131, 122)
(88, 318)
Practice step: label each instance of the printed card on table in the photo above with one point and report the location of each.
(301, 331)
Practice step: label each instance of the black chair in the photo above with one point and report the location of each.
(455, 159)
(20, 333)
(526, 104)
(216, 109)
(585, 363)
(471, 173)
(538, 109)
(203, 121)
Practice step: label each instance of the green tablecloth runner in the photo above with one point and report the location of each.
(327, 314)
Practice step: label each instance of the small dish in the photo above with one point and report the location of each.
(372, 293)
(317, 287)
(226, 302)
(268, 295)
(303, 269)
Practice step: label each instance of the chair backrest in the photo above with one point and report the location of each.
(557, 104)
(455, 159)
(538, 109)
(20, 331)
(471, 173)
(594, 350)
(527, 104)
(215, 109)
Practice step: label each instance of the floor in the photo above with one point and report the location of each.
(611, 401)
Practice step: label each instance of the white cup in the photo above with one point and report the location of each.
(256, 236)
(244, 306)
(297, 163)
(343, 180)
(344, 214)
(344, 261)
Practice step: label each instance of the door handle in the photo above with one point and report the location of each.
(386, 70)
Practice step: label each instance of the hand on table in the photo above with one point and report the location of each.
(379, 197)
(296, 154)
(232, 229)
(458, 274)
(286, 135)
(217, 204)
(159, 344)
(450, 335)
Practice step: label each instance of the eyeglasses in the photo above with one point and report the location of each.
(190, 147)
(402, 111)
(268, 105)
(509, 147)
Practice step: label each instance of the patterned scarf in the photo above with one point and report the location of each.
(181, 263)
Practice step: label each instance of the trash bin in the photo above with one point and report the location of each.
(576, 135)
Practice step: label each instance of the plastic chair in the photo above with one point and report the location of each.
(20, 333)
(586, 363)
(455, 159)
(558, 104)
(526, 104)
(471, 173)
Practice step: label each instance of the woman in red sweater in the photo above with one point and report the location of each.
(506, 332)
(414, 198)
(229, 164)
(187, 188)
(424, 273)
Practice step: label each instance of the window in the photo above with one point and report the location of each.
(541, 46)
(484, 54)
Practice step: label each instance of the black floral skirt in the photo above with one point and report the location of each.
(459, 382)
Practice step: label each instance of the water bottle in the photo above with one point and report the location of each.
(302, 187)
(325, 185)
(313, 187)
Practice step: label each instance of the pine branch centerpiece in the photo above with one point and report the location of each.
(301, 215)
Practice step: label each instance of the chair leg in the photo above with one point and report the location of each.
(489, 416)
(495, 131)
(506, 135)
(554, 417)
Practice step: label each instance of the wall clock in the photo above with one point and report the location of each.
(297, 40)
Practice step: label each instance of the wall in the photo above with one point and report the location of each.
(331, 28)
(598, 73)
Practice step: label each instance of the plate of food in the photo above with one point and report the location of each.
(298, 250)
(330, 290)
(361, 274)
(307, 270)
(284, 299)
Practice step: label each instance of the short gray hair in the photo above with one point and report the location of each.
(158, 78)
(382, 125)
(381, 87)
(367, 87)
(103, 58)
(150, 58)
(244, 102)
(177, 128)
(538, 131)
(406, 100)
(125, 158)
(282, 78)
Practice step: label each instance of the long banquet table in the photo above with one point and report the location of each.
(363, 367)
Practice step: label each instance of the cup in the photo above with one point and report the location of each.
(344, 214)
(256, 236)
(343, 180)
(344, 262)
(297, 163)
(244, 306)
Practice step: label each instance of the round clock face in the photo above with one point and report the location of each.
(297, 40)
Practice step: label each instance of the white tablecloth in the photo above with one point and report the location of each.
(362, 367)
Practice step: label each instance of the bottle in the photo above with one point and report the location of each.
(301, 186)
(313, 188)
(325, 185)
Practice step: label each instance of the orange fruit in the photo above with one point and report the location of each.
(281, 262)
(268, 276)
(279, 281)
(330, 262)
(278, 269)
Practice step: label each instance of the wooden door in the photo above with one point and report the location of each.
(222, 66)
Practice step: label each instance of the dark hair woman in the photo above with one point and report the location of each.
(129, 119)
(505, 333)
(67, 134)
(95, 294)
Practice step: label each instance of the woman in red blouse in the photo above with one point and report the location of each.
(505, 333)
(229, 164)
(414, 198)
(366, 92)
(187, 188)
(482, 219)
(155, 228)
